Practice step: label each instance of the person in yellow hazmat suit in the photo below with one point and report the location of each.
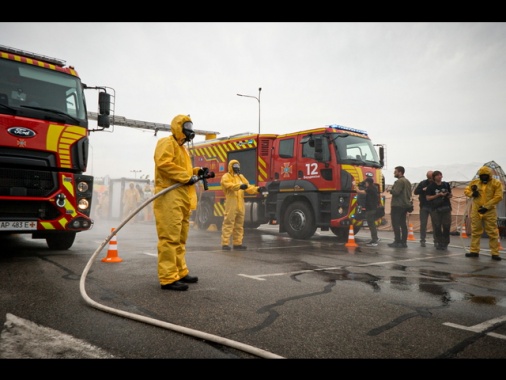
(172, 210)
(131, 199)
(234, 184)
(486, 192)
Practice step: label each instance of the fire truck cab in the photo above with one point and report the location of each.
(308, 175)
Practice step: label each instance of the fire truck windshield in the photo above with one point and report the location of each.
(32, 90)
(355, 150)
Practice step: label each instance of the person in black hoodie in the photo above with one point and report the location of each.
(421, 191)
(439, 193)
(371, 204)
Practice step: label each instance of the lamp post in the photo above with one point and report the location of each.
(258, 99)
(135, 172)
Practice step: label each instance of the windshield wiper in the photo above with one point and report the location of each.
(53, 111)
(7, 107)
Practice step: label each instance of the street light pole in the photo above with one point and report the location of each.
(258, 99)
(135, 172)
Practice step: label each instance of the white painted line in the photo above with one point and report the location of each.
(480, 327)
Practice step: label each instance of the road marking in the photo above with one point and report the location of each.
(260, 277)
(482, 327)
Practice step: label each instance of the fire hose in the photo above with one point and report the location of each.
(169, 326)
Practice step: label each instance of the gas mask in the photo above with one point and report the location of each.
(484, 178)
(188, 131)
(236, 168)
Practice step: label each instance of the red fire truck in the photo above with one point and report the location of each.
(308, 176)
(44, 148)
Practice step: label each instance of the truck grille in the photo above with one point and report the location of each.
(27, 182)
(27, 210)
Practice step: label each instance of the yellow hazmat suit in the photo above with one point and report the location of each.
(172, 210)
(490, 194)
(233, 222)
(131, 199)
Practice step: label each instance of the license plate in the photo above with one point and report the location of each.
(17, 226)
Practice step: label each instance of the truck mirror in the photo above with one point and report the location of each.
(103, 121)
(104, 103)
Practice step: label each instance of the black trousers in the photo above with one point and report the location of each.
(399, 223)
(441, 224)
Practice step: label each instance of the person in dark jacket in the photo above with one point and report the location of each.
(439, 193)
(400, 207)
(421, 191)
(371, 204)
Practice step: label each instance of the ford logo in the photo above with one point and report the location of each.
(21, 132)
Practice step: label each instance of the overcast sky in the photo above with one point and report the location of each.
(433, 93)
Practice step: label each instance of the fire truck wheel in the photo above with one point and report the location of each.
(203, 215)
(299, 221)
(61, 241)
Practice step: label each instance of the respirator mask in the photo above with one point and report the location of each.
(236, 168)
(484, 178)
(188, 131)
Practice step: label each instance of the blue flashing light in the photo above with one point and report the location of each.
(343, 128)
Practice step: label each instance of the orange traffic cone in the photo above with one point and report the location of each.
(463, 232)
(112, 252)
(351, 239)
(411, 235)
(499, 239)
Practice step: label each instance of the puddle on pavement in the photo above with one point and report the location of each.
(429, 283)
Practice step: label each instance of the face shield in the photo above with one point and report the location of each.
(236, 168)
(188, 131)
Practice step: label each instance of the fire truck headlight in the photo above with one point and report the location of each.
(82, 187)
(83, 204)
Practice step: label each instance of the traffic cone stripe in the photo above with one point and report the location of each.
(112, 252)
(411, 235)
(351, 239)
(464, 233)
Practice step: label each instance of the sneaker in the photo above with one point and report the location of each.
(496, 257)
(240, 247)
(472, 254)
(225, 248)
(422, 244)
(372, 244)
(395, 245)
